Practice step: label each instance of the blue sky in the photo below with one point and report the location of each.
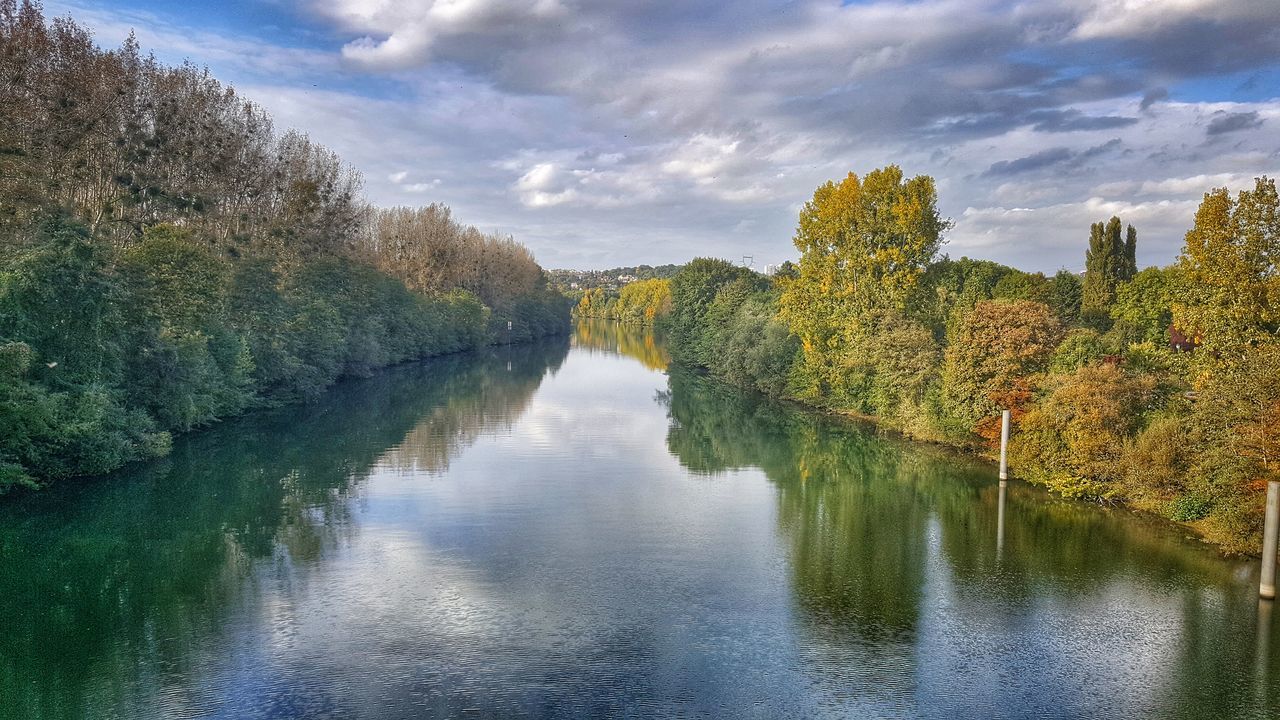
(618, 132)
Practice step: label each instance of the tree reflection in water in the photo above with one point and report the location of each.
(114, 588)
(904, 601)
(632, 341)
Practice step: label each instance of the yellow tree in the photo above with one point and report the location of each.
(1230, 299)
(864, 244)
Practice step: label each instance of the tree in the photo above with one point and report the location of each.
(1074, 440)
(1065, 293)
(989, 362)
(1143, 306)
(1109, 261)
(864, 245)
(60, 297)
(1229, 294)
(693, 290)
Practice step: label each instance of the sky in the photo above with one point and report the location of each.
(620, 132)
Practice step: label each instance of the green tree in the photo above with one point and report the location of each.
(693, 290)
(1143, 307)
(1065, 295)
(59, 297)
(1109, 261)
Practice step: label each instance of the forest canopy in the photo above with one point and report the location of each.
(167, 259)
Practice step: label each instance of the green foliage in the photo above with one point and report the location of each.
(693, 291)
(1143, 306)
(1109, 261)
(1099, 398)
(1080, 347)
(199, 265)
(58, 296)
(949, 288)
(1188, 508)
(1065, 294)
(1018, 285)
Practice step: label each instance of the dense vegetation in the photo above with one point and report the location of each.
(1159, 388)
(167, 259)
(641, 301)
(578, 281)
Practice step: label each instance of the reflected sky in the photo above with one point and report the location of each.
(570, 531)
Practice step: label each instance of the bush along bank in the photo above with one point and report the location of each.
(1158, 389)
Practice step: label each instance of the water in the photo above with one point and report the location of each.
(566, 531)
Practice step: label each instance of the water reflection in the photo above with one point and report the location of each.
(633, 341)
(908, 608)
(525, 533)
(115, 590)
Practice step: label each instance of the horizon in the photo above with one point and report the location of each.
(611, 137)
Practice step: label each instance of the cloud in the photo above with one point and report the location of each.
(616, 132)
(1044, 158)
(545, 184)
(1225, 122)
(1049, 158)
(1118, 19)
(1153, 96)
(1074, 120)
(405, 34)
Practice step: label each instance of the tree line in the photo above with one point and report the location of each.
(168, 259)
(1157, 388)
(641, 302)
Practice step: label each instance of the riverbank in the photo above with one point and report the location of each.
(168, 260)
(1096, 416)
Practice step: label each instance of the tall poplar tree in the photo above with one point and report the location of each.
(1109, 261)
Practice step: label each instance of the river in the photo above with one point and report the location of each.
(573, 529)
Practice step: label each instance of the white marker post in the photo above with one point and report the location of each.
(1004, 445)
(1004, 480)
(1270, 531)
(1000, 520)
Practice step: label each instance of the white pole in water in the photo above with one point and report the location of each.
(1270, 533)
(1004, 484)
(1004, 445)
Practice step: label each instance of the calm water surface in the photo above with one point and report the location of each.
(571, 530)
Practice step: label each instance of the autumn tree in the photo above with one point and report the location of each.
(1229, 297)
(1074, 440)
(864, 244)
(991, 360)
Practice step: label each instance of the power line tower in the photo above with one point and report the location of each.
(748, 261)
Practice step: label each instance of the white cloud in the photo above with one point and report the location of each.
(1126, 18)
(618, 132)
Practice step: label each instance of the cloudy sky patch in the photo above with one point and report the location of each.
(621, 131)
